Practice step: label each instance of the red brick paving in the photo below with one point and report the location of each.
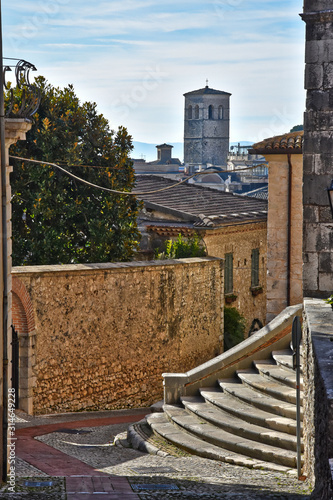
(99, 485)
(82, 481)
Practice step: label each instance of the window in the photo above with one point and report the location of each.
(220, 112)
(228, 273)
(211, 112)
(196, 115)
(190, 112)
(255, 268)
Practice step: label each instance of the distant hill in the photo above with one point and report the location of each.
(148, 151)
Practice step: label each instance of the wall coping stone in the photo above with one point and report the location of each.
(107, 266)
(320, 321)
(318, 16)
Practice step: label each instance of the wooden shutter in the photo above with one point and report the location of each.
(255, 267)
(228, 273)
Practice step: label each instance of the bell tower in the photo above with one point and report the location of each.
(206, 127)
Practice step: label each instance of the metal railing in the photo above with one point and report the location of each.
(296, 345)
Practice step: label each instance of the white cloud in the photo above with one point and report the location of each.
(110, 51)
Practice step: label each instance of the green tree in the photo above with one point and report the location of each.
(297, 128)
(57, 219)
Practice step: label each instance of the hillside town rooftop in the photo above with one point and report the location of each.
(199, 205)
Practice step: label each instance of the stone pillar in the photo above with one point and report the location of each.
(318, 150)
(15, 129)
(282, 247)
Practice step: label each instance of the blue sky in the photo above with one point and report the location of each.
(136, 58)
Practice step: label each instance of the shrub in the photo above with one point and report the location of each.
(234, 327)
(329, 300)
(182, 248)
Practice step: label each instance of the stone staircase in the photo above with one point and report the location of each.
(246, 420)
(247, 413)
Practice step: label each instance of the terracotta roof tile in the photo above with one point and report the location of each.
(202, 206)
(287, 143)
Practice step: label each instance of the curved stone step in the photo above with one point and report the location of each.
(271, 371)
(220, 438)
(259, 400)
(248, 412)
(240, 427)
(166, 430)
(283, 358)
(276, 390)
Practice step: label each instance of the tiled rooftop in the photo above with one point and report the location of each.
(202, 206)
(287, 143)
(206, 90)
(260, 193)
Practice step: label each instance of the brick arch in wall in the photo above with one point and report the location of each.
(24, 324)
(23, 315)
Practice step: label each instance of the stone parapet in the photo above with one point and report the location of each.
(318, 396)
(104, 333)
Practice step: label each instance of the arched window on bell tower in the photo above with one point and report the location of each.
(196, 113)
(220, 112)
(190, 112)
(211, 112)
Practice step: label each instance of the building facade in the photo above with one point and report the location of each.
(232, 228)
(285, 219)
(206, 127)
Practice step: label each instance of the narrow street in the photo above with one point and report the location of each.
(72, 456)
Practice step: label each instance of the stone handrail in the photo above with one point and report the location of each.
(276, 335)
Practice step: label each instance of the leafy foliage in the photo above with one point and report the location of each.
(329, 301)
(182, 248)
(297, 128)
(234, 327)
(57, 219)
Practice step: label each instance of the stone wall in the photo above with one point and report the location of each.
(105, 333)
(318, 396)
(284, 233)
(318, 152)
(241, 240)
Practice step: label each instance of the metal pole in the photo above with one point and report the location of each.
(4, 285)
(296, 341)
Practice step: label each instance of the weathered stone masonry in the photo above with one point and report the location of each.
(318, 397)
(317, 150)
(106, 332)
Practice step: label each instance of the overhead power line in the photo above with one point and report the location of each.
(127, 193)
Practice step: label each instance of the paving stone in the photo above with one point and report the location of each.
(195, 477)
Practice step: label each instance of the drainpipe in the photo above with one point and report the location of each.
(289, 230)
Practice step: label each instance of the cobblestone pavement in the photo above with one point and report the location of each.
(180, 476)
